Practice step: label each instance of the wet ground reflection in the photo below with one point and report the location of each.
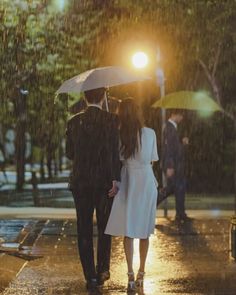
(183, 259)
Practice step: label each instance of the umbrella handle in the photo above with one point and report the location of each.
(106, 101)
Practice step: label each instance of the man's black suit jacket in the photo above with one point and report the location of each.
(92, 143)
(173, 150)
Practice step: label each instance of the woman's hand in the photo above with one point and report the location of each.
(114, 190)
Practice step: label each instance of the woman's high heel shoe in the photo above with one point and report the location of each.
(131, 283)
(139, 279)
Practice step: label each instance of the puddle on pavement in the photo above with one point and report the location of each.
(9, 246)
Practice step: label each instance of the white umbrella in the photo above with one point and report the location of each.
(98, 78)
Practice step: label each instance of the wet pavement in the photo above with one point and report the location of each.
(39, 256)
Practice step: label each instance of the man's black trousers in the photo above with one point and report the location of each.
(86, 200)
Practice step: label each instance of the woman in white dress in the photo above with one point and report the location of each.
(134, 208)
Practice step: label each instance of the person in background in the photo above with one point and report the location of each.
(113, 104)
(3, 162)
(173, 163)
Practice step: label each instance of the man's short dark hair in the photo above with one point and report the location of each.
(176, 112)
(94, 95)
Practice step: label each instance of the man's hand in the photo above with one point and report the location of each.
(114, 190)
(170, 172)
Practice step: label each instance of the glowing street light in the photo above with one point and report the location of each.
(160, 80)
(140, 60)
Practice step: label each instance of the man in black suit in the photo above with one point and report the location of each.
(92, 143)
(173, 163)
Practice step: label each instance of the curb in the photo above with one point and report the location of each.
(37, 212)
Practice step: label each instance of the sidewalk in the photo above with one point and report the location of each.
(192, 258)
(69, 213)
(38, 248)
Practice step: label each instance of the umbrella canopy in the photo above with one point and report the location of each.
(98, 78)
(188, 100)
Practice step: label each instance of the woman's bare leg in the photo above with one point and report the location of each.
(143, 250)
(129, 252)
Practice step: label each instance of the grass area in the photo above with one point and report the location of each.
(63, 199)
(205, 201)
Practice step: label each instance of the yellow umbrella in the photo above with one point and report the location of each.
(188, 100)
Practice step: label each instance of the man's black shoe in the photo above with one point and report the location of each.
(91, 284)
(182, 218)
(102, 277)
(187, 218)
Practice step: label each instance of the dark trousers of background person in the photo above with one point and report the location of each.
(86, 200)
(2, 168)
(177, 185)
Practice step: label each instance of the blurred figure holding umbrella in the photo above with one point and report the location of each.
(173, 163)
(173, 147)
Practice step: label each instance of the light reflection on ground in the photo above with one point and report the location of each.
(186, 259)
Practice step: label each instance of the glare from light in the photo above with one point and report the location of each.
(215, 212)
(61, 4)
(140, 60)
(58, 5)
(205, 113)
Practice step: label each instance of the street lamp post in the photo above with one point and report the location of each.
(140, 60)
(20, 110)
(160, 78)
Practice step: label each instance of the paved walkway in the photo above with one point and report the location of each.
(192, 258)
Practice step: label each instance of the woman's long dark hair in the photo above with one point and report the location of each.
(131, 123)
